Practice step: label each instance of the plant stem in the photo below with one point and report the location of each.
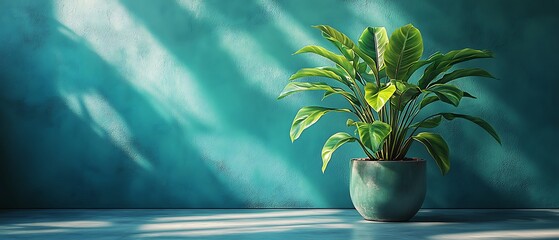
(401, 130)
(408, 139)
(356, 112)
(367, 108)
(365, 150)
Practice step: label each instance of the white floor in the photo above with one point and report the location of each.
(288, 224)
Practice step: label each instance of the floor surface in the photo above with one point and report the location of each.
(287, 224)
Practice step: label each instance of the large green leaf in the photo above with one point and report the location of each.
(373, 42)
(466, 54)
(331, 33)
(404, 49)
(369, 61)
(306, 117)
(294, 87)
(340, 40)
(417, 65)
(460, 73)
(431, 72)
(373, 134)
(344, 43)
(345, 79)
(447, 93)
(315, 72)
(348, 53)
(428, 100)
(446, 62)
(333, 143)
(435, 120)
(347, 95)
(480, 122)
(338, 59)
(430, 122)
(362, 68)
(437, 148)
(377, 98)
(431, 99)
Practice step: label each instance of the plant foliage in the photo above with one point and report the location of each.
(375, 80)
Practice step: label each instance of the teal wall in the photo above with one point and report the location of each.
(166, 104)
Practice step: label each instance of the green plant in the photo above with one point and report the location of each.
(373, 76)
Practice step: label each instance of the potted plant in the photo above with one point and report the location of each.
(374, 77)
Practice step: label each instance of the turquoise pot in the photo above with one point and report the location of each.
(387, 190)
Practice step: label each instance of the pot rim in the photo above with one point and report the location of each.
(387, 161)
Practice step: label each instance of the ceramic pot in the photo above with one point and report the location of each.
(387, 190)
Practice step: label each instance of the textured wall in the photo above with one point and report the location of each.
(172, 103)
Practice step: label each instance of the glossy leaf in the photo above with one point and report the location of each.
(331, 33)
(431, 72)
(348, 53)
(434, 57)
(377, 98)
(368, 60)
(332, 144)
(315, 72)
(373, 42)
(447, 93)
(344, 44)
(362, 68)
(431, 122)
(446, 62)
(338, 59)
(294, 87)
(306, 117)
(347, 95)
(340, 72)
(431, 99)
(428, 100)
(404, 49)
(480, 122)
(336, 36)
(373, 134)
(437, 148)
(355, 61)
(466, 54)
(460, 73)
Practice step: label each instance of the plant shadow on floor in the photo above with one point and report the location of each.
(272, 224)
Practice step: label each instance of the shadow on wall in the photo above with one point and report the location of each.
(239, 82)
(130, 127)
(80, 135)
(172, 103)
